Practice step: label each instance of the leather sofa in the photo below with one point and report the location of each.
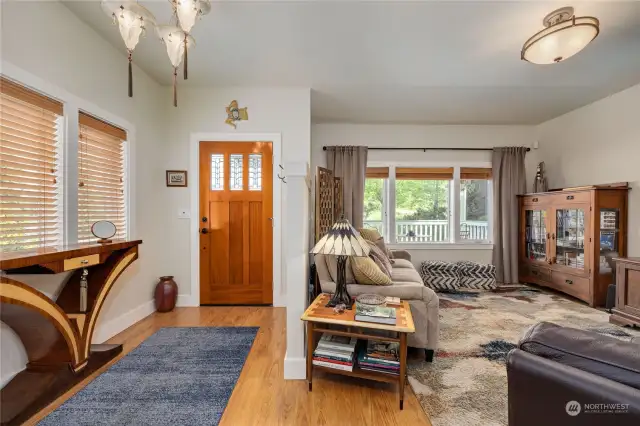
(565, 376)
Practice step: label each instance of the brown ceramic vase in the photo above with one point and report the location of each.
(166, 294)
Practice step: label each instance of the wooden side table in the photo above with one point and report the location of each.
(318, 315)
(627, 310)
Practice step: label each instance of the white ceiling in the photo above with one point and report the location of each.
(447, 62)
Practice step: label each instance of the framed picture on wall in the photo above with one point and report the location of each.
(177, 178)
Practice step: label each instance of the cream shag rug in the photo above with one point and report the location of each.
(467, 382)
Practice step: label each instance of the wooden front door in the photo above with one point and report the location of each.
(236, 224)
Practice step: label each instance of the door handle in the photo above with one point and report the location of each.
(205, 231)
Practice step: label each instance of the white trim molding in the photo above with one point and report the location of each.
(193, 299)
(294, 368)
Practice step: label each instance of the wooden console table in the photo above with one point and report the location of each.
(57, 334)
(627, 310)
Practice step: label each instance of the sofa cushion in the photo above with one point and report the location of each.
(589, 351)
(405, 291)
(405, 275)
(403, 263)
(366, 271)
(374, 236)
(380, 258)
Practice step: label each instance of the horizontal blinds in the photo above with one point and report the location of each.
(424, 173)
(377, 172)
(475, 173)
(30, 156)
(101, 177)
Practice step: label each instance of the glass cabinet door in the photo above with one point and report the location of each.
(569, 235)
(535, 239)
(609, 229)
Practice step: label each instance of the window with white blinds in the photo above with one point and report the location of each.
(101, 176)
(30, 169)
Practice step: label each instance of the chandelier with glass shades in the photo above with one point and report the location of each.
(134, 20)
(564, 35)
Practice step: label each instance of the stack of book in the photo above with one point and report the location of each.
(382, 357)
(335, 352)
(377, 314)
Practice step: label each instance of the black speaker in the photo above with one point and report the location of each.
(611, 297)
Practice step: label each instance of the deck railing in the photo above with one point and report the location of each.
(433, 231)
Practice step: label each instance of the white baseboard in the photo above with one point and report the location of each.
(112, 327)
(185, 300)
(295, 368)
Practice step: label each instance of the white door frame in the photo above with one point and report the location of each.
(194, 192)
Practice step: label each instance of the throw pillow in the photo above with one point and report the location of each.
(380, 258)
(366, 271)
(374, 236)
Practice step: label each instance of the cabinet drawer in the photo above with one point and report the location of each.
(570, 197)
(535, 200)
(535, 272)
(571, 284)
(81, 262)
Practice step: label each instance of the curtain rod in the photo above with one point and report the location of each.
(324, 148)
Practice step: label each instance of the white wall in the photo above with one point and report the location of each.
(596, 144)
(201, 110)
(64, 56)
(409, 136)
(44, 43)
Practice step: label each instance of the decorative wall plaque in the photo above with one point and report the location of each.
(235, 114)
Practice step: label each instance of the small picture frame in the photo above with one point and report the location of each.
(177, 178)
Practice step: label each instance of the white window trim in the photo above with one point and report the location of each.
(455, 243)
(72, 105)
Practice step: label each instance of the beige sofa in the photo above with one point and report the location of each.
(407, 285)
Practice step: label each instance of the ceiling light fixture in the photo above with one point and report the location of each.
(564, 36)
(177, 43)
(187, 11)
(132, 20)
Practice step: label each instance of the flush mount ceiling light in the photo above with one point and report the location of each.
(564, 36)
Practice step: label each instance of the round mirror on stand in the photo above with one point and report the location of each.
(103, 230)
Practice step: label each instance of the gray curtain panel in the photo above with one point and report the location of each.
(509, 180)
(350, 164)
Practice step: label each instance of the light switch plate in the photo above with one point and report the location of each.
(184, 214)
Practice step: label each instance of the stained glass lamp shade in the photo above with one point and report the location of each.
(342, 240)
(132, 20)
(174, 40)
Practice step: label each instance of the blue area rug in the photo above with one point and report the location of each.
(178, 376)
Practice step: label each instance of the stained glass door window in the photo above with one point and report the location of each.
(217, 172)
(255, 172)
(235, 178)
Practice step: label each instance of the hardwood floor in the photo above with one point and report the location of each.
(262, 396)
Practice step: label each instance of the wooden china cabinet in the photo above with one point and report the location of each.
(566, 236)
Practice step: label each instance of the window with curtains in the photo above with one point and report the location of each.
(423, 205)
(30, 169)
(101, 176)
